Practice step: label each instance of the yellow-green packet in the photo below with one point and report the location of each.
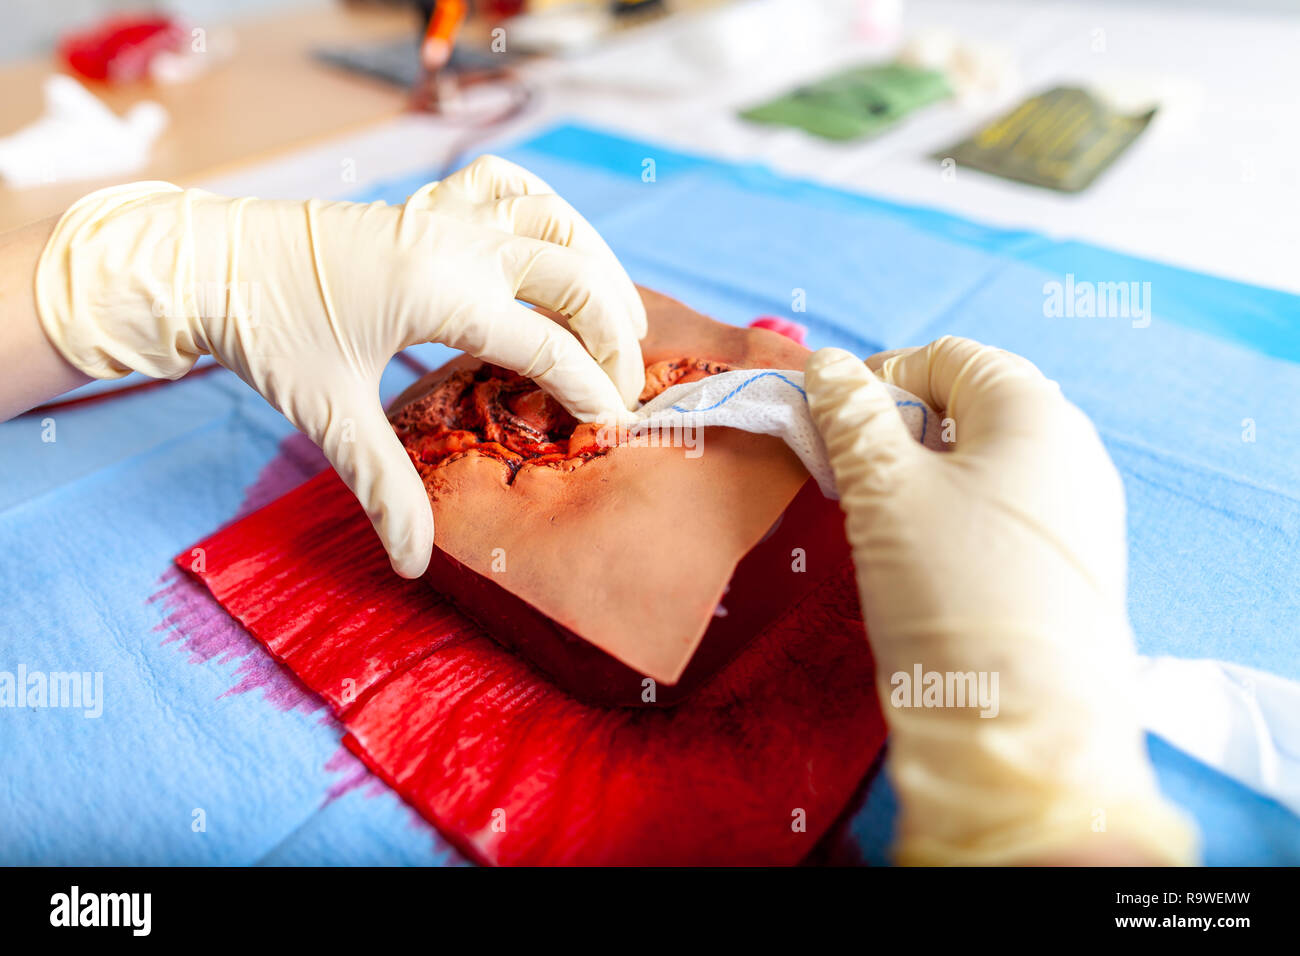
(1061, 139)
(856, 103)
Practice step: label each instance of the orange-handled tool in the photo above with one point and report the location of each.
(440, 37)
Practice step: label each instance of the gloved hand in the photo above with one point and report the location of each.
(1005, 555)
(308, 301)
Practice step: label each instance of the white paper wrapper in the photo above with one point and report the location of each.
(78, 137)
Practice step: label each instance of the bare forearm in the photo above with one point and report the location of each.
(34, 371)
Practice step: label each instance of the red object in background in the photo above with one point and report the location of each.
(493, 10)
(119, 49)
(790, 329)
(513, 770)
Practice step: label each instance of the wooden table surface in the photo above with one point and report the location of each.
(268, 98)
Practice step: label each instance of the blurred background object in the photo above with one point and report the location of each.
(120, 49)
(79, 138)
(35, 26)
(847, 91)
(132, 47)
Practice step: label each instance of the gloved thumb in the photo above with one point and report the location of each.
(361, 445)
(865, 437)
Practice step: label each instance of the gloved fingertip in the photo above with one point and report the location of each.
(640, 321)
(410, 564)
(408, 536)
(410, 557)
(630, 385)
(616, 416)
(828, 359)
(831, 374)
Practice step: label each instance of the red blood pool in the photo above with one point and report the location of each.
(751, 769)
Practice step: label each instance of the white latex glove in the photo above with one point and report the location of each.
(308, 301)
(1005, 555)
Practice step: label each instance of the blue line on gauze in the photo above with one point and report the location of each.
(767, 403)
(753, 378)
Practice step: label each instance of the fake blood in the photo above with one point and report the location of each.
(502, 415)
(751, 769)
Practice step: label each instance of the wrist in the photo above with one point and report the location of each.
(107, 281)
(1045, 757)
(36, 370)
(993, 799)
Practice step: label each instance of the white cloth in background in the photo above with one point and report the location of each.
(78, 137)
(1243, 722)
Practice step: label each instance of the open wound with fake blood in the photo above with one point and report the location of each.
(496, 413)
(468, 723)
